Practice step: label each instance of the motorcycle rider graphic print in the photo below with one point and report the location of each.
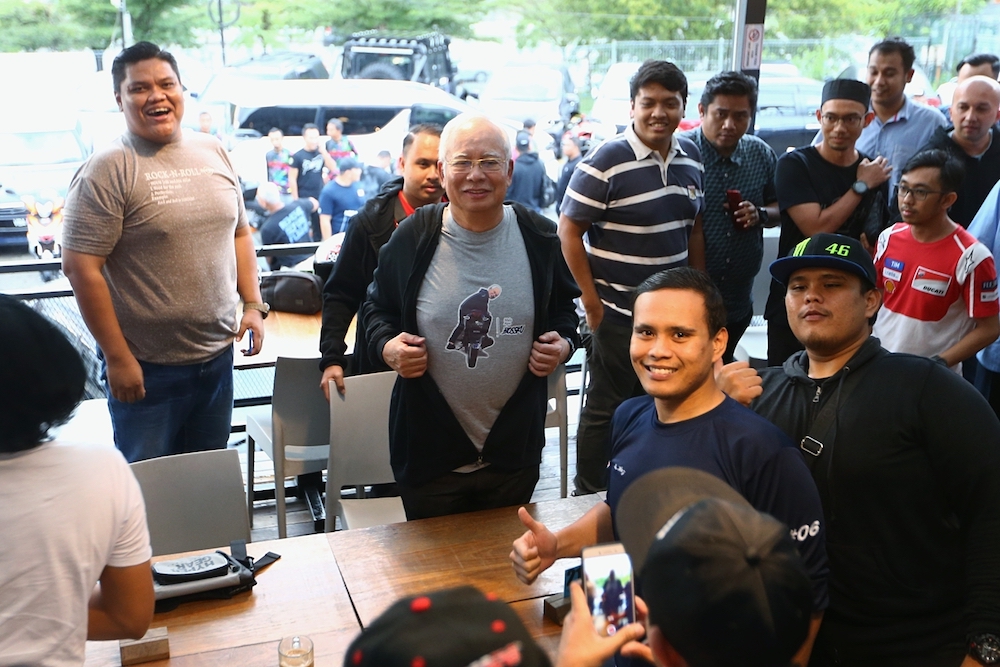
(471, 335)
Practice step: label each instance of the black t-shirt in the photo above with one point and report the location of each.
(310, 166)
(804, 177)
(289, 225)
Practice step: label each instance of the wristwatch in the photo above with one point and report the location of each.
(860, 187)
(985, 649)
(762, 215)
(262, 307)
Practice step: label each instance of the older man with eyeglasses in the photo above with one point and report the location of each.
(472, 305)
(830, 187)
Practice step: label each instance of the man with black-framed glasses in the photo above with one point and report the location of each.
(831, 187)
(472, 306)
(938, 283)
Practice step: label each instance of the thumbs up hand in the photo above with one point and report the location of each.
(535, 551)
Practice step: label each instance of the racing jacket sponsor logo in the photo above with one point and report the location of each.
(931, 282)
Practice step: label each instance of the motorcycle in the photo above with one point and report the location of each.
(44, 229)
(475, 338)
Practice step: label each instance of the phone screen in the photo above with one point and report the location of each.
(607, 575)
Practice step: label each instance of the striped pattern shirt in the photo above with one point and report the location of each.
(640, 208)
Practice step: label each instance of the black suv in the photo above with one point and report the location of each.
(377, 55)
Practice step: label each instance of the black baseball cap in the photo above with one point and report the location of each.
(723, 582)
(831, 250)
(455, 627)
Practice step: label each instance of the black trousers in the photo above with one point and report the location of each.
(457, 492)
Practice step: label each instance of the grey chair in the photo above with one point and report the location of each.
(557, 416)
(193, 501)
(293, 431)
(359, 452)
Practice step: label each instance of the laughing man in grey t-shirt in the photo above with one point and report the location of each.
(159, 252)
(472, 305)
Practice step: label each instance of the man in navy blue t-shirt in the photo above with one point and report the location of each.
(678, 335)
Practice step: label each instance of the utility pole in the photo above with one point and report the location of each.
(127, 39)
(217, 14)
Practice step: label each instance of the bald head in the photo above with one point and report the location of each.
(462, 126)
(975, 107)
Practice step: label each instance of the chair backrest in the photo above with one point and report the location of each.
(299, 411)
(193, 501)
(359, 435)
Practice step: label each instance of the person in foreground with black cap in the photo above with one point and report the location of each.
(678, 336)
(906, 456)
(830, 187)
(724, 585)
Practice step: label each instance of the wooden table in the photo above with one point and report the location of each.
(384, 563)
(328, 586)
(303, 593)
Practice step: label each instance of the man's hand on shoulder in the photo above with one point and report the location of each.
(874, 172)
(407, 355)
(335, 373)
(547, 353)
(125, 379)
(739, 381)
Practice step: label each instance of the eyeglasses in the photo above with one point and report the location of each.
(851, 121)
(489, 165)
(920, 194)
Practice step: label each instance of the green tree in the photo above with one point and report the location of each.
(29, 25)
(568, 22)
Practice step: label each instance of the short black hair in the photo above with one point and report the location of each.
(685, 277)
(337, 123)
(310, 126)
(137, 53)
(896, 45)
(730, 83)
(432, 129)
(41, 376)
(951, 172)
(275, 129)
(662, 72)
(979, 59)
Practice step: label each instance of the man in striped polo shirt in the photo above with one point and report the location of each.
(638, 200)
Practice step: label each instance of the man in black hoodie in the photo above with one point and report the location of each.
(367, 232)
(527, 186)
(906, 457)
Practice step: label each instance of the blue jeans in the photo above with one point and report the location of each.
(186, 409)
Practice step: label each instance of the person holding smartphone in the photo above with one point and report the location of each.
(740, 198)
(678, 336)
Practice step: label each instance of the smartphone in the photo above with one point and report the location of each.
(607, 579)
(734, 199)
(249, 342)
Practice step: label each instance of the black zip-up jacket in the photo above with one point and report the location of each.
(345, 289)
(425, 439)
(981, 174)
(910, 485)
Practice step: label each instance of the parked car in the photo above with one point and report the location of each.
(283, 65)
(613, 104)
(38, 156)
(376, 115)
(542, 93)
(377, 54)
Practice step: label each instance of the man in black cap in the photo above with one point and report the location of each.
(527, 185)
(906, 457)
(830, 187)
(721, 583)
